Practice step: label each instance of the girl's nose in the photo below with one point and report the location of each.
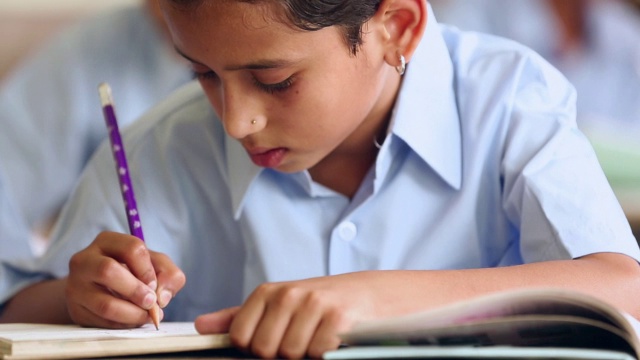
(242, 115)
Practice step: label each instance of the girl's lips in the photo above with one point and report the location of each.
(268, 158)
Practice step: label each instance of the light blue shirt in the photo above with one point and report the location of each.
(50, 115)
(12, 228)
(483, 166)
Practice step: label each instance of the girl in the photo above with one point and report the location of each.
(318, 180)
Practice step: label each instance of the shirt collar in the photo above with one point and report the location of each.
(425, 118)
(426, 114)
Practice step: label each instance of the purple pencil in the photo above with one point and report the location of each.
(122, 169)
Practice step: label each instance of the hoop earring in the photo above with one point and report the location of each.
(403, 65)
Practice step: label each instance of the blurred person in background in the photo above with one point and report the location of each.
(595, 44)
(50, 113)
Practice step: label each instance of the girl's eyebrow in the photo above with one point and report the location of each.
(257, 65)
(261, 65)
(181, 53)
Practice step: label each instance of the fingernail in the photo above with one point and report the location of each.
(148, 301)
(153, 285)
(165, 297)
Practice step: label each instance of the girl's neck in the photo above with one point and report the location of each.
(344, 174)
(344, 170)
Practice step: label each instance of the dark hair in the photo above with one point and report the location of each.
(312, 15)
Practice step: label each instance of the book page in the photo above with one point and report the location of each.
(520, 331)
(502, 318)
(635, 324)
(467, 352)
(538, 302)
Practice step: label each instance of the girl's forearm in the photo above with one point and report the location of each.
(614, 278)
(42, 302)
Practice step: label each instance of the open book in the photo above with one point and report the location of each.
(520, 324)
(41, 341)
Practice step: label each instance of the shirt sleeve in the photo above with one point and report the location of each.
(72, 233)
(555, 189)
(14, 232)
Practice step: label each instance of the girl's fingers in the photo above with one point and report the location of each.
(84, 317)
(217, 322)
(296, 319)
(110, 274)
(170, 278)
(132, 252)
(113, 282)
(270, 329)
(99, 307)
(286, 321)
(299, 333)
(249, 316)
(325, 337)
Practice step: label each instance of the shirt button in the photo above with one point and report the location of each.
(348, 231)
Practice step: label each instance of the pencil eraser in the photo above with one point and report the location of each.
(105, 94)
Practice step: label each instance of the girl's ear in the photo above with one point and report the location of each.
(403, 23)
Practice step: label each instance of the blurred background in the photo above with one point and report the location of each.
(24, 24)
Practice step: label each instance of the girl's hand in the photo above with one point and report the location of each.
(116, 280)
(295, 319)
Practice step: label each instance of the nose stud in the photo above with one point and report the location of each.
(254, 121)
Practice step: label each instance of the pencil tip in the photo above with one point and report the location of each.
(154, 312)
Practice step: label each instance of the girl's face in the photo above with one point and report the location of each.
(294, 99)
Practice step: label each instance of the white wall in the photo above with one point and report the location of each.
(57, 6)
(26, 24)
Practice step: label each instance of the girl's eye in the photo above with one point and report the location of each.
(208, 75)
(275, 88)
